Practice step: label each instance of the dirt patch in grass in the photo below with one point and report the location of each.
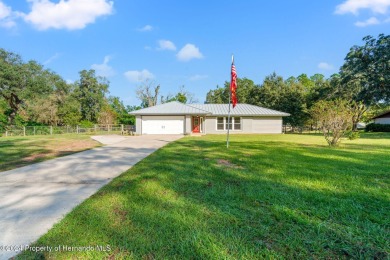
(27, 150)
(53, 150)
(228, 164)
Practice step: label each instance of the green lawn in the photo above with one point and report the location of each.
(268, 196)
(20, 151)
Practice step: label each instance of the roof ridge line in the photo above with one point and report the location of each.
(198, 108)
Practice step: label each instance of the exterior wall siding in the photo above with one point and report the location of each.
(249, 125)
(187, 125)
(138, 125)
(382, 120)
(270, 125)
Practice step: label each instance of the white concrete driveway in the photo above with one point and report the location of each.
(35, 197)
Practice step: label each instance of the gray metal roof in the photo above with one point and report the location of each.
(382, 114)
(171, 108)
(177, 108)
(239, 110)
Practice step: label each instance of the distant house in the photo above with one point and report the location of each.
(383, 119)
(177, 118)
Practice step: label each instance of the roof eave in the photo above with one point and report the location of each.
(251, 115)
(382, 114)
(165, 114)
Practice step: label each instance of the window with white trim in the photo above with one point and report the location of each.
(222, 123)
(237, 123)
(227, 123)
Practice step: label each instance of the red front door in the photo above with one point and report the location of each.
(196, 124)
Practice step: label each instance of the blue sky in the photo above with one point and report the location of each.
(190, 43)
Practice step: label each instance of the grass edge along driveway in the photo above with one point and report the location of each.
(278, 196)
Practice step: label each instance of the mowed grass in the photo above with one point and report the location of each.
(267, 196)
(21, 151)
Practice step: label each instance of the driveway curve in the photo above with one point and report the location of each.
(35, 197)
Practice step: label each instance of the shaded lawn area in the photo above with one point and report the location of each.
(268, 196)
(21, 151)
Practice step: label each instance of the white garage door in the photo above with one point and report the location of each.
(162, 125)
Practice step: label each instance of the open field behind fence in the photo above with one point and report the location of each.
(52, 130)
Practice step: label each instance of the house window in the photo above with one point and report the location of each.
(223, 124)
(220, 123)
(227, 123)
(237, 123)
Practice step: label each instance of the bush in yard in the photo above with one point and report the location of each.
(334, 119)
(352, 135)
(377, 128)
(86, 124)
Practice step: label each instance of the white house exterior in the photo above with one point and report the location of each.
(383, 119)
(177, 118)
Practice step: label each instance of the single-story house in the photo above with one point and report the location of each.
(383, 118)
(178, 118)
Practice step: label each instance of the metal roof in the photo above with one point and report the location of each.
(382, 114)
(177, 108)
(171, 108)
(239, 110)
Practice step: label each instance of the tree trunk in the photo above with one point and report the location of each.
(358, 111)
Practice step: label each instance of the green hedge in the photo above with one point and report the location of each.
(377, 128)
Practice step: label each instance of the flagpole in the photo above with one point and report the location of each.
(230, 94)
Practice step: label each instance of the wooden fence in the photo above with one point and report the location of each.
(52, 130)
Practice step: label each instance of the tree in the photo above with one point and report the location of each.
(3, 117)
(91, 91)
(69, 112)
(107, 115)
(219, 95)
(148, 93)
(43, 110)
(183, 96)
(122, 113)
(334, 118)
(19, 80)
(365, 76)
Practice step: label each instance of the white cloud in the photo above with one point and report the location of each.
(198, 77)
(138, 76)
(325, 66)
(7, 16)
(146, 28)
(52, 58)
(354, 6)
(166, 45)
(66, 14)
(5, 11)
(189, 52)
(368, 22)
(104, 69)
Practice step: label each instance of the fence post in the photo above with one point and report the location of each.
(108, 127)
(77, 129)
(51, 130)
(24, 131)
(95, 128)
(6, 133)
(34, 130)
(122, 129)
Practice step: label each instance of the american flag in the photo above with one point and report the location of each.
(233, 84)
